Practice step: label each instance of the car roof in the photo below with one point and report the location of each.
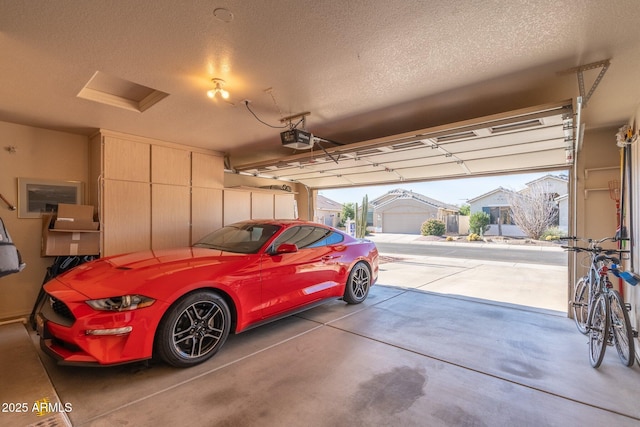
(282, 222)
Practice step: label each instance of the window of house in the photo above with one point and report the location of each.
(499, 214)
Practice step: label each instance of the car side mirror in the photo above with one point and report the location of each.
(286, 248)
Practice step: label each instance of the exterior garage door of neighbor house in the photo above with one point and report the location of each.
(404, 223)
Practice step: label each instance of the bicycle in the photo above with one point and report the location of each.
(599, 311)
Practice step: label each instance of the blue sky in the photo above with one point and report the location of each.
(455, 191)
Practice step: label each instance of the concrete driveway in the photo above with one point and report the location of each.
(523, 284)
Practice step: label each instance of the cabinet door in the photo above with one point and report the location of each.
(261, 205)
(206, 212)
(285, 206)
(170, 165)
(207, 170)
(237, 206)
(126, 160)
(170, 216)
(126, 217)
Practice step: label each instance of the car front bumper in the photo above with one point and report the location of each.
(73, 333)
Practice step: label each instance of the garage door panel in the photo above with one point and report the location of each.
(447, 169)
(505, 140)
(518, 162)
(428, 153)
(514, 150)
(374, 176)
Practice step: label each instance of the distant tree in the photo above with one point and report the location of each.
(465, 210)
(533, 209)
(348, 211)
(479, 222)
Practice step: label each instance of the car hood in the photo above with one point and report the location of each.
(140, 272)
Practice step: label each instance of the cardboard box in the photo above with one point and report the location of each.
(67, 242)
(75, 217)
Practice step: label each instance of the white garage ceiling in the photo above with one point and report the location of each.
(364, 69)
(531, 139)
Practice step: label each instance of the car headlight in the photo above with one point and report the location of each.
(123, 303)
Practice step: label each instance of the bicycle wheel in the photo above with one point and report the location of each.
(598, 330)
(580, 304)
(621, 327)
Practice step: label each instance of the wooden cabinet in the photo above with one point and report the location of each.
(126, 160)
(261, 205)
(154, 194)
(206, 211)
(145, 194)
(170, 216)
(125, 216)
(285, 206)
(237, 205)
(170, 166)
(207, 171)
(245, 202)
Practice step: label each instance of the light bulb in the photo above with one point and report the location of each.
(218, 89)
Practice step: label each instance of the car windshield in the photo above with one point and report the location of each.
(244, 238)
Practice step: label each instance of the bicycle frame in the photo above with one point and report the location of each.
(606, 321)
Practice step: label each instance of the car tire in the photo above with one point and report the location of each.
(193, 329)
(358, 284)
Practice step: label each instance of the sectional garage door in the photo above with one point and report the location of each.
(404, 223)
(535, 138)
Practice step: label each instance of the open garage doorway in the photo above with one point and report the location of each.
(539, 139)
(504, 265)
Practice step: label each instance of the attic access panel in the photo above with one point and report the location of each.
(530, 139)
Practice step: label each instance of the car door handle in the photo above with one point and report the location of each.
(330, 257)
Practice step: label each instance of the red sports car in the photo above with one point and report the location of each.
(181, 304)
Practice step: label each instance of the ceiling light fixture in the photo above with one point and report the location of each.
(218, 89)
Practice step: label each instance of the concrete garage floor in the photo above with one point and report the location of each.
(407, 356)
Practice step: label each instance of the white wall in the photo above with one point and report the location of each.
(499, 198)
(42, 154)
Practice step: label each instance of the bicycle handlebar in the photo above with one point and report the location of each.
(601, 254)
(595, 250)
(593, 241)
(614, 260)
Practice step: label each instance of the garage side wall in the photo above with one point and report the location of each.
(632, 293)
(598, 162)
(40, 154)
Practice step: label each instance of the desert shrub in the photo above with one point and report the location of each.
(479, 222)
(433, 227)
(552, 233)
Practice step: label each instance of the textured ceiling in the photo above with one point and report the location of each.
(364, 69)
